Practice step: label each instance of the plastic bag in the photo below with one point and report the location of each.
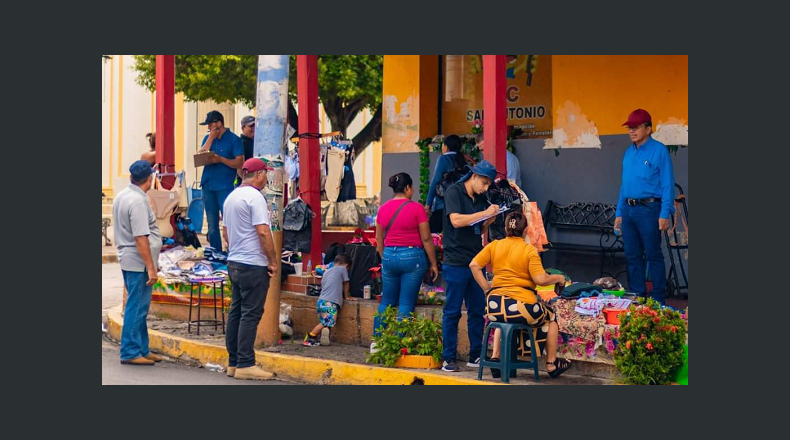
(286, 324)
(297, 234)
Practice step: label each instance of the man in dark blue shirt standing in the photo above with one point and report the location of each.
(217, 180)
(647, 193)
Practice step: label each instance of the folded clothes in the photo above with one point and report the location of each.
(575, 290)
(593, 306)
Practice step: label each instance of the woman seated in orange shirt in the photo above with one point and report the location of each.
(512, 298)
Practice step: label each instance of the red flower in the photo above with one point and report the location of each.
(649, 346)
(404, 350)
(656, 320)
(628, 344)
(642, 338)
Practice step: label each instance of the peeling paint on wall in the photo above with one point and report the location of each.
(673, 131)
(572, 129)
(401, 123)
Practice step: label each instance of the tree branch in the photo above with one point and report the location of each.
(371, 133)
(352, 109)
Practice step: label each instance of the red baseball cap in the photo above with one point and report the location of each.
(254, 164)
(637, 118)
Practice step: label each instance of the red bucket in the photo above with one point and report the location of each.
(613, 315)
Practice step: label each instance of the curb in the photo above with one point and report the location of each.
(297, 368)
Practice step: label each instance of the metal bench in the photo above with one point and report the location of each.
(677, 245)
(594, 218)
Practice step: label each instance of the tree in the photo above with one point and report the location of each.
(347, 84)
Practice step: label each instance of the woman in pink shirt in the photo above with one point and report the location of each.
(403, 238)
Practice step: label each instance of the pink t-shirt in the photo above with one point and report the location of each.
(404, 231)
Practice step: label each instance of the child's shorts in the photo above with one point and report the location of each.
(327, 312)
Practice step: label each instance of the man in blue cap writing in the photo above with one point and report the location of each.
(465, 204)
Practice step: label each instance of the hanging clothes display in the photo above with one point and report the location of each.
(336, 159)
(291, 165)
(323, 161)
(348, 187)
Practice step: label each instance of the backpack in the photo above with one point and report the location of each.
(449, 178)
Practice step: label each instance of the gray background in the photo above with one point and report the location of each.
(576, 175)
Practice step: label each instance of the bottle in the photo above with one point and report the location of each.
(309, 267)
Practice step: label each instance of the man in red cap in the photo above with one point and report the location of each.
(251, 263)
(645, 204)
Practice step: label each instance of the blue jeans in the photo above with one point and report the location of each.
(134, 337)
(642, 240)
(214, 201)
(402, 269)
(462, 287)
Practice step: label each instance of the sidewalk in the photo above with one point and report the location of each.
(335, 364)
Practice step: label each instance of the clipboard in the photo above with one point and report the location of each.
(501, 210)
(203, 159)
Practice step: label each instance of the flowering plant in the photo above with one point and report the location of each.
(409, 336)
(477, 126)
(651, 344)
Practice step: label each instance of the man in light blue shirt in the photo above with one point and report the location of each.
(513, 168)
(645, 204)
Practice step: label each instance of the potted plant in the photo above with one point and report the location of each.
(409, 343)
(651, 341)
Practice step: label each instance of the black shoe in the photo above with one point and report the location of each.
(450, 366)
(473, 362)
(310, 341)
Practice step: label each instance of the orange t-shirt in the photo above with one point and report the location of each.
(515, 263)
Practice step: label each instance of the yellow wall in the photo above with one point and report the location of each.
(410, 101)
(400, 122)
(462, 102)
(606, 88)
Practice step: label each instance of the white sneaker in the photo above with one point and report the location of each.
(373, 348)
(325, 336)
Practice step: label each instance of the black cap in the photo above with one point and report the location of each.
(213, 116)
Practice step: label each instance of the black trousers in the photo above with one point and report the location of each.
(249, 285)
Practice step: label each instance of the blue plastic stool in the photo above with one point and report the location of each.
(508, 360)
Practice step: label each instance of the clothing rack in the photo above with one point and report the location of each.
(295, 139)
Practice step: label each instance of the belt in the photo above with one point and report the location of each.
(634, 202)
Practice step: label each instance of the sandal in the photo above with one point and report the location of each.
(561, 366)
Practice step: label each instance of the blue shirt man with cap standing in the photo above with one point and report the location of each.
(465, 205)
(138, 240)
(217, 180)
(646, 202)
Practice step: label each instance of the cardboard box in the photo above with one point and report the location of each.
(203, 159)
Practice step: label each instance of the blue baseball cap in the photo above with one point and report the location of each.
(483, 168)
(140, 170)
